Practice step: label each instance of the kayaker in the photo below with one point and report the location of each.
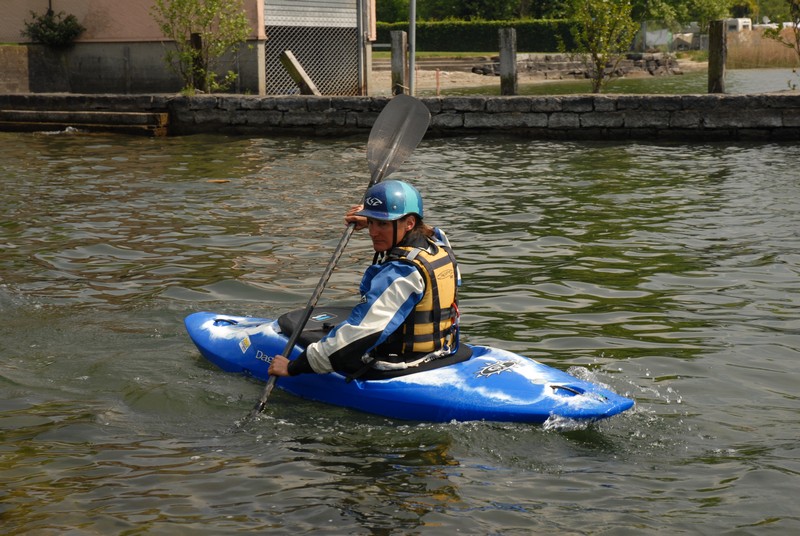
(408, 313)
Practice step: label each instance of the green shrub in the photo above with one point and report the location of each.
(203, 32)
(53, 29)
(482, 36)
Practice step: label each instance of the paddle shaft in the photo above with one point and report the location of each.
(383, 159)
(312, 302)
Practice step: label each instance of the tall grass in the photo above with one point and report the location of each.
(751, 50)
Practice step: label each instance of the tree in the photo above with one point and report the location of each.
(397, 10)
(745, 9)
(55, 30)
(704, 11)
(468, 9)
(542, 9)
(773, 10)
(392, 10)
(603, 33)
(788, 37)
(203, 32)
(670, 12)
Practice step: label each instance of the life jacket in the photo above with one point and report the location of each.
(433, 325)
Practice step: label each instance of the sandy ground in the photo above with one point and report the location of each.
(428, 80)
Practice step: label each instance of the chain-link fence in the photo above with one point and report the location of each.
(329, 56)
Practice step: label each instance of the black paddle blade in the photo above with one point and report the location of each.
(396, 133)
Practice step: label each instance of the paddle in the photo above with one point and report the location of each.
(397, 131)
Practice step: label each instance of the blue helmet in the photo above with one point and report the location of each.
(390, 201)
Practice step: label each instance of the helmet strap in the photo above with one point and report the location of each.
(394, 234)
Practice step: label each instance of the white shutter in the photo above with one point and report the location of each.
(315, 13)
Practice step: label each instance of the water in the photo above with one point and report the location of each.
(668, 272)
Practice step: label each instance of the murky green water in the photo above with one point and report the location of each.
(667, 271)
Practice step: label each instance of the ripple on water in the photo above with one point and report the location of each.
(668, 272)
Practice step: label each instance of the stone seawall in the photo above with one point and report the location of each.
(623, 117)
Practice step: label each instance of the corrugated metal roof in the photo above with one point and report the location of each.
(326, 13)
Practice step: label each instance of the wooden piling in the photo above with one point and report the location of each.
(508, 61)
(399, 63)
(717, 56)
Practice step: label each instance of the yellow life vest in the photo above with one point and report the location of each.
(433, 325)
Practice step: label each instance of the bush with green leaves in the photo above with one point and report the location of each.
(203, 31)
(603, 32)
(55, 30)
(481, 36)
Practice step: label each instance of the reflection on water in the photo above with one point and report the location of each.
(667, 271)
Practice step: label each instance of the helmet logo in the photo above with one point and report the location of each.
(373, 201)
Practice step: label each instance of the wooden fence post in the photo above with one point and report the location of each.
(399, 62)
(717, 55)
(508, 61)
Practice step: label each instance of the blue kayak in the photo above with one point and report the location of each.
(490, 384)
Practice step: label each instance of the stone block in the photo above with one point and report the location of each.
(629, 102)
(208, 117)
(202, 102)
(743, 118)
(376, 104)
(229, 104)
(356, 104)
(562, 120)
(688, 119)
(366, 119)
(335, 118)
(546, 104)
(508, 104)
(605, 103)
(447, 121)
(640, 119)
(602, 120)
(434, 104)
(296, 119)
(487, 121)
(660, 102)
(577, 104)
(464, 104)
(239, 117)
(320, 104)
(259, 103)
(535, 120)
(293, 104)
(700, 102)
(791, 117)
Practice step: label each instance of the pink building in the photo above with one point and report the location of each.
(122, 49)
